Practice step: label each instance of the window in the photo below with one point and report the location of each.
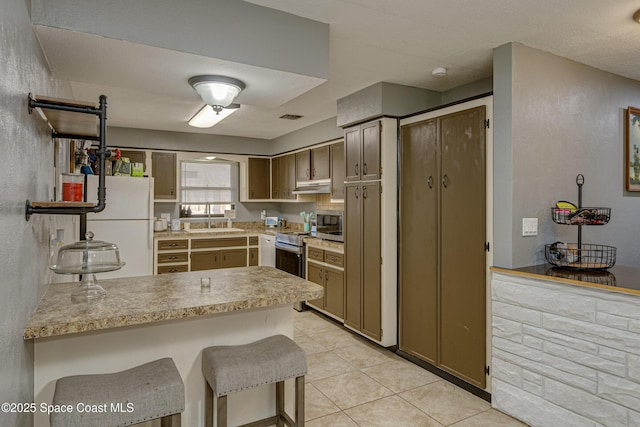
(207, 185)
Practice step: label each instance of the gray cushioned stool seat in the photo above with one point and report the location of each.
(230, 369)
(155, 389)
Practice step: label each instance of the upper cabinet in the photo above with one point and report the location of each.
(313, 164)
(337, 171)
(259, 178)
(163, 169)
(283, 177)
(362, 152)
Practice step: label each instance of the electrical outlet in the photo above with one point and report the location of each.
(529, 226)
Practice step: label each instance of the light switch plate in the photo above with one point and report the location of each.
(529, 226)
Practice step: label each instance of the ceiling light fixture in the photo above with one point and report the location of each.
(207, 117)
(636, 16)
(217, 91)
(439, 72)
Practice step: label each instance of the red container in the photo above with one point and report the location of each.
(72, 187)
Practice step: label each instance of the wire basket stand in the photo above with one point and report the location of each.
(580, 256)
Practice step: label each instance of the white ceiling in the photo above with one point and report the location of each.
(370, 41)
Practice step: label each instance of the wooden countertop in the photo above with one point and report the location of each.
(149, 299)
(619, 278)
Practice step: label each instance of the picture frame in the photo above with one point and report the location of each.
(632, 161)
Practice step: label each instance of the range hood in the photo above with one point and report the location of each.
(321, 186)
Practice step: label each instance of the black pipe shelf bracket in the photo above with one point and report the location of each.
(73, 120)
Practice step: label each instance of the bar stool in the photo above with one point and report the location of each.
(230, 369)
(146, 392)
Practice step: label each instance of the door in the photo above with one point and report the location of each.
(320, 162)
(303, 165)
(276, 183)
(334, 291)
(163, 167)
(462, 289)
(230, 258)
(337, 171)
(259, 178)
(205, 260)
(371, 259)
(418, 269)
(315, 274)
(289, 176)
(352, 142)
(353, 253)
(370, 156)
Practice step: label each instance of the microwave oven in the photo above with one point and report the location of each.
(327, 225)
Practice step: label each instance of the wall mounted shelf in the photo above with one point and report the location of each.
(73, 120)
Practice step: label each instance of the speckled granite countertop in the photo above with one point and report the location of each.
(149, 299)
(325, 244)
(220, 232)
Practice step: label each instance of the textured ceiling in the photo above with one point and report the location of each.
(370, 41)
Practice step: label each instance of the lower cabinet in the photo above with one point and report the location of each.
(196, 254)
(363, 250)
(324, 267)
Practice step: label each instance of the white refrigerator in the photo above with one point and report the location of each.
(127, 221)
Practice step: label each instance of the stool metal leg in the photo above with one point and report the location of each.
(221, 408)
(280, 403)
(299, 404)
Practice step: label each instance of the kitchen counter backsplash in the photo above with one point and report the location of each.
(249, 227)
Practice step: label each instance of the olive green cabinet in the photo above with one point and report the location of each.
(363, 248)
(283, 177)
(325, 268)
(362, 152)
(313, 164)
(163, 169)
(337, 171)
(259, 178)
(442, 263)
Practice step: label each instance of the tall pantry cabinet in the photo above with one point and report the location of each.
(370, 230)
(442, 262)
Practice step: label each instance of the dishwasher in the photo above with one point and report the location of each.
(267, 250)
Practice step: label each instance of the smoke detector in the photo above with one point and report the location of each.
(439, 72)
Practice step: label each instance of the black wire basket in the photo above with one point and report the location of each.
(581, 216)
(587, 257)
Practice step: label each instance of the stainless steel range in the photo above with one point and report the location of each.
(290, 255)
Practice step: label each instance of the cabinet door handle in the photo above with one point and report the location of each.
(173, 245)
(430, 181)
(445, 180)
(326, 275)
(307, 172)
(356, 192)
(364, 169)
(364, 192)
(356, 169)
(173, 257)
(320, 274)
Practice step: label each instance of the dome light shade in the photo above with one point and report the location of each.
(217, 91)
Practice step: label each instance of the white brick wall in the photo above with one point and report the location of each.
(565, 355)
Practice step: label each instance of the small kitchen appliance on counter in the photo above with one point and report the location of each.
(88, 257)
(271, 221)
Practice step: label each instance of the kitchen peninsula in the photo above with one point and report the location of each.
(566, 345)
(170, 315)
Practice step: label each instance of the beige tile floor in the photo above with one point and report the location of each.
(352, 382)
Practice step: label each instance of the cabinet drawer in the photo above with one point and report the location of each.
(173, 244)
(334, 258)
(172, 257)
(316, 254)
(218, 243)
(173, 269)
(253, 241)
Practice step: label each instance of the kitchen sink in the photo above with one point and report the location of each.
(215, 230)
